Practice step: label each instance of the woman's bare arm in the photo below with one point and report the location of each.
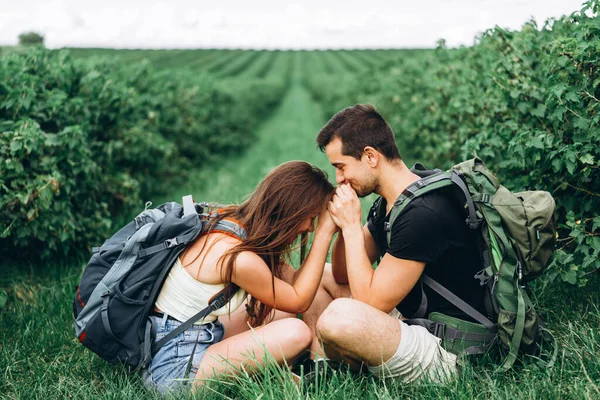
(253, 275)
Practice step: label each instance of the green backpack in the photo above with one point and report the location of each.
(517, 235)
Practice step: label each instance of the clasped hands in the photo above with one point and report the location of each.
(343, 210)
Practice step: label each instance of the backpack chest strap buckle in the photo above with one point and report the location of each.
(171, 243)
(482, 198)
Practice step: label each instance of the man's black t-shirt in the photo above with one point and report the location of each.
(432, 229)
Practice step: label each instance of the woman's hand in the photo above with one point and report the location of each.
(345, 209)
(326, 224)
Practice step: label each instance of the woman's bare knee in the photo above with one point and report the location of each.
(295, 332)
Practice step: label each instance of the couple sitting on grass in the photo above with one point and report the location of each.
(351, 313)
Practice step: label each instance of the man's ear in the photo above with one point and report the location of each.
(372, 156)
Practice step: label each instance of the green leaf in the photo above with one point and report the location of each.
(563, 60)
(596, 224)
(539, 111)
(556, 164)
(23, 198)
(559, 113)
(572, 97)
(568, 259)
(580, 137)
(595, 244)
(537, 143)
(15, 146)
(558, 90)
(582, 123)
(587, 159)
(570, 277)
(588, 261)
(523, 107)
(570, 166)
(575, 233)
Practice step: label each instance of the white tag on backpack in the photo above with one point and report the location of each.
(188, 205)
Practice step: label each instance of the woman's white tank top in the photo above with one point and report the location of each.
(182, 296)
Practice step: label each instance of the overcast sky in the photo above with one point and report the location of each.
(266, 24)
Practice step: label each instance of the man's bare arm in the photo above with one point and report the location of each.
(338, 255)
(386, 286)
(393, 279)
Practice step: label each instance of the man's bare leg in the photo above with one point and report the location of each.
(357, 332)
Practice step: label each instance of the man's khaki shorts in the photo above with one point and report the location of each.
(419, 356)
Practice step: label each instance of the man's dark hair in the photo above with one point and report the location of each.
(357, 127)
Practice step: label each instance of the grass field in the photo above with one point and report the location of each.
(41, 359)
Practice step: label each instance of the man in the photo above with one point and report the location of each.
(430, 236)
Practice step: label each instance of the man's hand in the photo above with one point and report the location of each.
(345, 209)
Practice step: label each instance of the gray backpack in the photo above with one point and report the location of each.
(516, 239)
(123, 278)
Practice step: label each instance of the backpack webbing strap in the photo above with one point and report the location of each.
(422, 310)
(473, 221)
(106, 320)
(460, 304)
(478, 350)
(410, 191)
(218, 301)
(505, 288)
(444, 331)
(147, 350)
(167, 244)
(226, 226)
(518, 333)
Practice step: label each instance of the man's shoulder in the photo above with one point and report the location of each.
(428, 212)
(437, 202)
(435, 198)
(429, 203)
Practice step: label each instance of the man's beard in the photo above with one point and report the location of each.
(369, 187)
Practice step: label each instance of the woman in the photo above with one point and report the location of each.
(282, 207)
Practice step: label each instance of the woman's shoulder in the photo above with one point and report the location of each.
(221, 243)
(248, 259)
(222, 240)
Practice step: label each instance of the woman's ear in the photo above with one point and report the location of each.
(372, 156)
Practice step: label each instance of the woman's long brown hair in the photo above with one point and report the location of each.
(272, 216)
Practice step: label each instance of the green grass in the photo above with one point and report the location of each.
(40, 357)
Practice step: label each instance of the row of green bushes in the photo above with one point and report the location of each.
(84, 141)
(527, 102)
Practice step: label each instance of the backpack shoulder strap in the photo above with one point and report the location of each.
(416, 189)
(429, 183)
(229, 226)
(219, 300)
(460, 304)
(376, 209)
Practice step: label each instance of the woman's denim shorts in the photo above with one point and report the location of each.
(169, 367)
